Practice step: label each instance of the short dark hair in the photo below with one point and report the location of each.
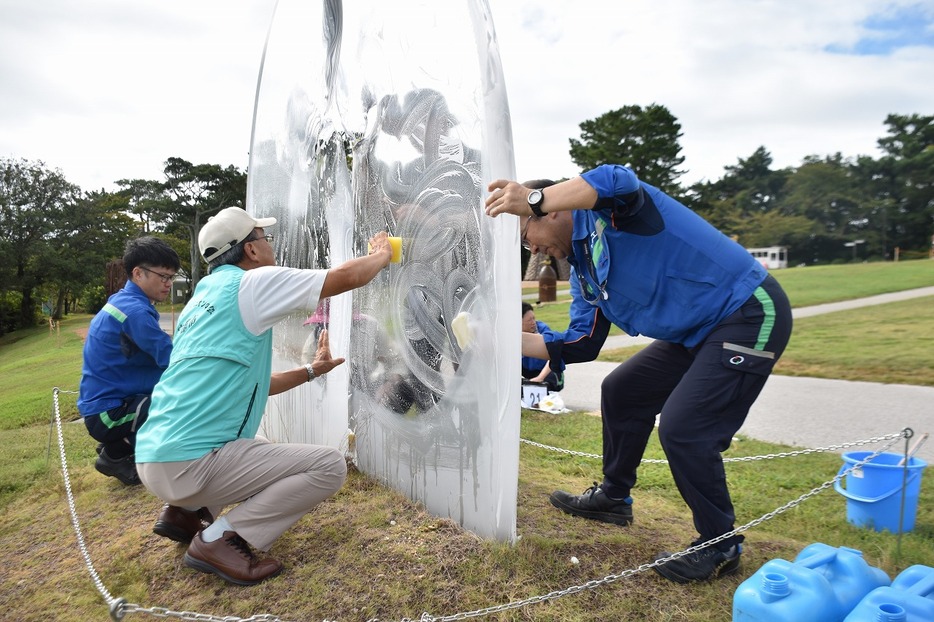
(151, 251)
(526, 307)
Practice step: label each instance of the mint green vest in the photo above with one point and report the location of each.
(217, 383)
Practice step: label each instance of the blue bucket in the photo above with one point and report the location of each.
(873, 491)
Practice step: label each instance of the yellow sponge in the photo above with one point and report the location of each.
(396, 244)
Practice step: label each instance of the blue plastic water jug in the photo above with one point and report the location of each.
(910, 598)
(823, 584)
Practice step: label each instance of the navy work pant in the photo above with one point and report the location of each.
(703, 394)
(116, 428)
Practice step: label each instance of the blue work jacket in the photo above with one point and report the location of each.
(645, 262)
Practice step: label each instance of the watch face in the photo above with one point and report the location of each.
(535, 197)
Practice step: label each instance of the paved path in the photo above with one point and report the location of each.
(803, 412)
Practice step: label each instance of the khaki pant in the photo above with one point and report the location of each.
(275, 484)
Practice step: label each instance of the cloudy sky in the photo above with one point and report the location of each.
(108, 89)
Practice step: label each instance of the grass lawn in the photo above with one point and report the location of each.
(368, 552)
(805, 287)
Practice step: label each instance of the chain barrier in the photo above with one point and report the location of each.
(906, 433)
(119, 607)
(71, 501)
(784, 454)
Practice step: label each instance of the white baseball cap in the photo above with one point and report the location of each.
(228, 228)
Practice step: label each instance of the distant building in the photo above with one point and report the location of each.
(180, 289)
(771, 257)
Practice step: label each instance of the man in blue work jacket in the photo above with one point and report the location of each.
(125, 353)
(539, 370)
(643, 261)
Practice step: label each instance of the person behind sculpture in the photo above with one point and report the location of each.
(124, 355)
(536, 369)
(643, 261)
(198, 450)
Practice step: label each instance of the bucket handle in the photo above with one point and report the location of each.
(849, 495)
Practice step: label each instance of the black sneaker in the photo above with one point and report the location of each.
(124, 469)
(703, 565)
(594, 504)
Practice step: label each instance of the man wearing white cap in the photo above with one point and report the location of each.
(198, 450)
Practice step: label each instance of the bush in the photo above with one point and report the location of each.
(92, 299)
(9, 311)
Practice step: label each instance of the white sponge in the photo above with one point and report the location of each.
(463, 332)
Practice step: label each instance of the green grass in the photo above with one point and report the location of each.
(369, 552)
(805, 287)
(31, 363)
(814, 285)
(890, 343)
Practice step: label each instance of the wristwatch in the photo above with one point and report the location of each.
(311, 371)
(536, 198)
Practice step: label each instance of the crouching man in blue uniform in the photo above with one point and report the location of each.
(641, 260)
(125, 353)
(539, 370)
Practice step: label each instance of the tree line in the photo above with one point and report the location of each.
(823, 210)
(56, 241)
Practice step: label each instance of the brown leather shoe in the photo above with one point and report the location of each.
(230, 558)
(181, 525)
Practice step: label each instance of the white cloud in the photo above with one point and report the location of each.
(108, 89)
(736, 74)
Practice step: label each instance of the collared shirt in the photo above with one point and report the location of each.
(125, 352)
(217, 383)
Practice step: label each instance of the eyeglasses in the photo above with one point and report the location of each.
(268, 237)
(525, 243)
(165, 278)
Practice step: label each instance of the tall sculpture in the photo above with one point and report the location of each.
(393, 116)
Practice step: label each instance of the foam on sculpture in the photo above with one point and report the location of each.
(393, 116)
